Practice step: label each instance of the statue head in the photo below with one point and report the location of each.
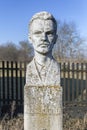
(43, 32)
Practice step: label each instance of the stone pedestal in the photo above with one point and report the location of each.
(42, 108)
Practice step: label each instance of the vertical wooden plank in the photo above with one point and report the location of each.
(6, 93)
(12, 91)
(25, 65)
(77, 81)
(20, 87)
(8, 82)
(23, 79)
(73, 82)
(18, 67)
(10, 86)
(68, 85)
(3, 81)
(16, 81)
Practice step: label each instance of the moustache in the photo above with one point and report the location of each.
(44, 44)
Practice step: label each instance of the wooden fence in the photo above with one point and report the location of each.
(12, 81)
(74, 82)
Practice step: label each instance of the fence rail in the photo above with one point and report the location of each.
(12, 81)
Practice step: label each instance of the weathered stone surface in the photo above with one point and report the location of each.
(42, 92)
(43, 107)
(49, 75)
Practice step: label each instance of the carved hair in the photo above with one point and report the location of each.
(43, 16)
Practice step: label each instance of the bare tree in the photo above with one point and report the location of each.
(8, 51)
(25, 51)
(12, 52)
(68, 43)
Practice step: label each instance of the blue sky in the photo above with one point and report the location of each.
(15, 16)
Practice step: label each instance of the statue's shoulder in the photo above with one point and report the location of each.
(55, 63)
(31, 64)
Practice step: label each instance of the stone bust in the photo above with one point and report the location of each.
(43, 70)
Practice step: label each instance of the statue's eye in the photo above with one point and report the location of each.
(50, 33)
(37, 32)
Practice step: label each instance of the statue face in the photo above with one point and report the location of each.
(43, 35)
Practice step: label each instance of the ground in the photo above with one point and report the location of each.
(74, 118)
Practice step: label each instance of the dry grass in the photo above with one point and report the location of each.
(73, 119)
(12, 124)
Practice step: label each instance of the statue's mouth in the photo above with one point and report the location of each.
(44, 44)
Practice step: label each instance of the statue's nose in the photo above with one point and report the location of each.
(44, 36)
